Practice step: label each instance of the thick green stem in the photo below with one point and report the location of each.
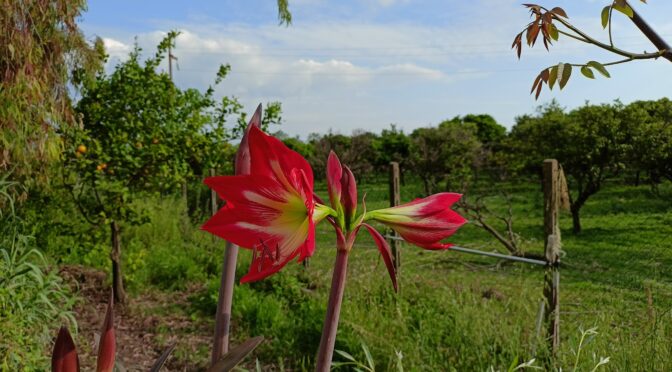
(328, 340)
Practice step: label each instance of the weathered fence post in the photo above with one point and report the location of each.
(213, 195)
(552, 200)
(395, 199)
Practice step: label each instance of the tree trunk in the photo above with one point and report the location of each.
(576, 220)
(115, 255)
(428, 188)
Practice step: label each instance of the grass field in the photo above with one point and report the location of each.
(454, 311)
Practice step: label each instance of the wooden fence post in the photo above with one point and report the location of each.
(395, 199)
(213, 195)
(552, 200)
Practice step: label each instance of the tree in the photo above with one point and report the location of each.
(141, 134)
(392, 145)
(550, 24)
(305, 149)
(590, 143)
(537, 137)
(488, 131)
(597, 148)
(649, 125)
(43, 55)
(444, 153)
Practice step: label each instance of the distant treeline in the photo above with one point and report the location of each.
(592, 143)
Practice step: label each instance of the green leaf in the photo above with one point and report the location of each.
(553, 32)
(627, 10)
(346, 355)
(565, 72)
(587, 72)
(369, 358)
(552, 77)
(599, 67)
(605, 16)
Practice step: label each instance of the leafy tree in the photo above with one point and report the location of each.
(446, 152)
(43, 55)
(141, 134)
(597, 149)
(361, 156)
(392, 145)
(322, 145)
(590, 143)
(490, 134)
(537, 137)
(295, 143)
(488, 130)
(649, 125)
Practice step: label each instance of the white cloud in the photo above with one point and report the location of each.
(347, 74)
(115, 47)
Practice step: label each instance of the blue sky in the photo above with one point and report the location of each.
(365, 64)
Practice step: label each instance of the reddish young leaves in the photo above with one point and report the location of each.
(107, 345)
(64, 356)
(539, 81)
(541, 25)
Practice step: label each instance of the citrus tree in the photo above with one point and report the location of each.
(444, 153)
(141, 134)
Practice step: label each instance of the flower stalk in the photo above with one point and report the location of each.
(220, 344)
(328, 340)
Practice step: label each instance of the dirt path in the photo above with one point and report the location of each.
(145, 326)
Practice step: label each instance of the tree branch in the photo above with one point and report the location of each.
(606, 46)
(652, 35)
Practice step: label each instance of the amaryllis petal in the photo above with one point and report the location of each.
(270, 210)
(342, 191)
(423, 222)
(385, 252)
(64, 356)
(334, 173)
(270, 157)
(349, 196)
(107, 345)
(261, 214)
(242, 164)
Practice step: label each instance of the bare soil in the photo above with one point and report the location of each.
(145, 326)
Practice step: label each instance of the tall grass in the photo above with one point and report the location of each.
(33, 301)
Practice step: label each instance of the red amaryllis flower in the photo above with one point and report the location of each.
(272, 210)
(423, 222)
